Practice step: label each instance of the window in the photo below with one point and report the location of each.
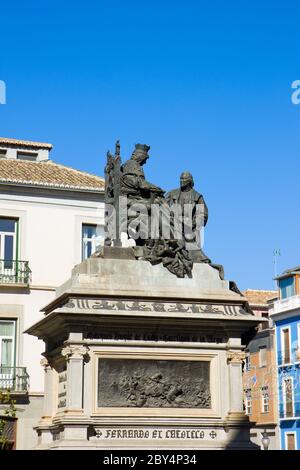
(265, 325)
(297, 355)
(2, 153)
(7, 343)
(285, 346)
(29, 156)
(287, 287)
(262, 356)
(92, 238)
(288, 397)
(248, 402)
(290, 441)
(265, 399)
(247, 363)
(8, 244)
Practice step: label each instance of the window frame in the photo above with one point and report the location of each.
(247, 362)
(15, 236)
(260, 359)
(14, 339)
(298, 343)
(286, 379)
(248, 402)
(265, 400)
(285, 439)
(281, 288)
(94, 241)
(283, 362)
(27, 156)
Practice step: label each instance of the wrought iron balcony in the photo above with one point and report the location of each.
(14, 379)
(287, 358)
(290, 413)
(289, 303)
(14, 272)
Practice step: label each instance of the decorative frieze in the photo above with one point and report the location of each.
(153, 307)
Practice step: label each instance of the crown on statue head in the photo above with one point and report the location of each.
(142, 148)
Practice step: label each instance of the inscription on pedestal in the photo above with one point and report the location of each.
(154, 335)
(162, 433)
(153, 383)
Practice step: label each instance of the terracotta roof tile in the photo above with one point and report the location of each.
(48, 174)
(25, 143)
(259, 297)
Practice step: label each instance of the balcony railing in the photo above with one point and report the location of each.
(290, 303)
(14, 379)
(290, 413)
(288, 357)
(14, 272)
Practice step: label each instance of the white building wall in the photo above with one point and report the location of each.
(50, 232)
(50, 239)
(29, 349)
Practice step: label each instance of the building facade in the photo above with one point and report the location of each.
(51, 218)
(285, 313)
(259, 378)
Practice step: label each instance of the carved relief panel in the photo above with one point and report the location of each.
(153, 383)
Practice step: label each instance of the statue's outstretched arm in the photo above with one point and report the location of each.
(150, 187)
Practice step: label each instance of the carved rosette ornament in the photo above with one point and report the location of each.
(44, 363)
(236, 357)
(75, 352)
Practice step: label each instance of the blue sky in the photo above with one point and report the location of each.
(206, 83)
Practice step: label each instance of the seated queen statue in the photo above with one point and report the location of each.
(178, 249)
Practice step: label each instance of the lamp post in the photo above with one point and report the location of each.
(265, 440)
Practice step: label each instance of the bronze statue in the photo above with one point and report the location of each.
(133, 182)
(139, 193)
(172, 250)
(194, 214)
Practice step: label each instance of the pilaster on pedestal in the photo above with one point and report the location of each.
(235, 361)
(75, 356)
(43, 429)
(48, 407)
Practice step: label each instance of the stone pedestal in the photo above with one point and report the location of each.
(142, 359)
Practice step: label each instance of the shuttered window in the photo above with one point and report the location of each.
(287, 287)
(286, 353)
(262, 356)
(290, 441)
(288, 398)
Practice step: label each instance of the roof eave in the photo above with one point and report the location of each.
(53, 186)
(24, 143)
